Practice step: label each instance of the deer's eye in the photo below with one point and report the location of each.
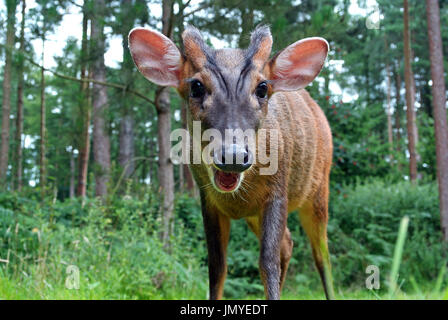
(197, 89)
(262, 90)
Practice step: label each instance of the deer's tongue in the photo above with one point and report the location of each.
(226, 181)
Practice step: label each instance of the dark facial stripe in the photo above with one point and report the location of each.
(211, 65)
(246, 69)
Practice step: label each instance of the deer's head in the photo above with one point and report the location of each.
(227, 88)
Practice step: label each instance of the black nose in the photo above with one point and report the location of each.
(233, 158)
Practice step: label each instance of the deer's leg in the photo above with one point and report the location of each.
(314, 217)
(285, 247)
(285, 255)
(217, 229)
(272, 230)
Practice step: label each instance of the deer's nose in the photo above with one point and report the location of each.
(233, 158)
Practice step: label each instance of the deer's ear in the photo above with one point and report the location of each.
(155, 56)
(298, 64)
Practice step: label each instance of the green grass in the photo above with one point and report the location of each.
(33, 290)
(119, 254)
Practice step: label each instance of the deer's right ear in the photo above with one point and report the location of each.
(155, 56)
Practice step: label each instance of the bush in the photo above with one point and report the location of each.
(116, 248)
(118, 252)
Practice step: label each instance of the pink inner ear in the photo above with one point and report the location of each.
(156, 56)
(298, 65)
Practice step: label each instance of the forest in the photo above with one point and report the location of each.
(93, 207)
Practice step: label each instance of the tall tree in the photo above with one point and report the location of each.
(48, 14)
(410, 96)
(390, 138)
(6, 103)
(101, 141)
(84, 108)
(19, 118)
(398, 106)
(163, 107)
(130, 11)
(43, 124)
(439, 108)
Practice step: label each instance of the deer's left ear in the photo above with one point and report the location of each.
(298, 64)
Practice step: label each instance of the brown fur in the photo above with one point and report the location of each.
(230, 78)
(305, 155)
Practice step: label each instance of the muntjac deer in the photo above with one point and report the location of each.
(245, 89)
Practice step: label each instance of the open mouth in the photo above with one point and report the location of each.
(226, 181)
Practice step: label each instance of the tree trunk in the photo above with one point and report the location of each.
(388, 109)
(410, 98)
(126, 136)
(247, 24)
(126, 142)
(165, 174)
(72, 175)
(19, 118)
(85, 112)
(439, 108)
(6, 103)
(43, 126)
(101, 142)
(398, 107)
(187, 176)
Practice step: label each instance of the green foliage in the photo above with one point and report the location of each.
(364, 225)
(116, 249)
(119, 254)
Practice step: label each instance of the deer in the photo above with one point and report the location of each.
(248, 89)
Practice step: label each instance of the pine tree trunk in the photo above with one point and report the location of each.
(43, 127)
(410, 98)
(85, 112)
(101, 142)
(126, 142)
(72, 175)
(6, 103)
(389, 115)
(398, 107)
(187, 176)
(247, 24)
(439, 108)
(165, 174)
(126, 151)
(163, 106)
(390, 138)
(19, 118)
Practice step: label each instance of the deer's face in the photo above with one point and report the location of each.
(227, 90)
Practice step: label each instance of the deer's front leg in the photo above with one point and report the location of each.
(217, 228)
(273, 227)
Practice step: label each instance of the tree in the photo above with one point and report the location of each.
(165, 174)
(129, 12)
(390, 138)
(439, 108)
(48, 15)
(410, 97)
(84, 107)
(6, 103)
(101, 142)
(19, 119)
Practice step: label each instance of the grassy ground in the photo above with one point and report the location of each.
(12, 290)
(119, 255)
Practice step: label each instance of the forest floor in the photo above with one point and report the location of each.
(10, 290)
